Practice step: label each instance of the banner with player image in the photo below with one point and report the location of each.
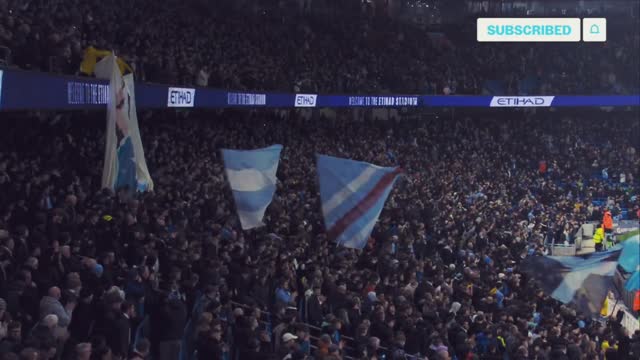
(124, 162)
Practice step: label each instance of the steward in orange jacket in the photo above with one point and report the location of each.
(607, 222)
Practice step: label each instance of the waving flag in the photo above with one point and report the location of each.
(124, 162)
(633, 283)
(252, 177)
(584, 281)
(630, 261)
(353, 195)
(630, 256)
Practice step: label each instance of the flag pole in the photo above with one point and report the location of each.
(618, 296)
(614, 307)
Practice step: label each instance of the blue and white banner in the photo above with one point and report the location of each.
(353, 194)
(583, 281)
(29, 90)
(252, 178)
(124, 162)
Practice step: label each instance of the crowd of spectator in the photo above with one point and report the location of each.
(87, 273)
(90, 274)
(275, 48)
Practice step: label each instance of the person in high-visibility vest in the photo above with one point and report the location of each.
(609, 241)
(598, 238)
(607, 224)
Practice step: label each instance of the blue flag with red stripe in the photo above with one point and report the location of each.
(581, 280)
(353, 195)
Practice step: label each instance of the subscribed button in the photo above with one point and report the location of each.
(528, 30)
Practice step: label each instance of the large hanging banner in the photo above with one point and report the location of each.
(124, 162)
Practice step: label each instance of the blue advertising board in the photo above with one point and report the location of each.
(26, 90)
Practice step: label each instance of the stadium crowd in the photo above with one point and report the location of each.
(90, 274)
(178, 42)
(86, 273)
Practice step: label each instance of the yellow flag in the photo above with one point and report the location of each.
(91, 56)
(605, 307)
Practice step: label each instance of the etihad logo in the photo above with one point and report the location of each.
(521, 101)
(305, 100)
(180, 97)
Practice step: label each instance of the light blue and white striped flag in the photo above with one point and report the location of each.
(353, 194)
(252, 177)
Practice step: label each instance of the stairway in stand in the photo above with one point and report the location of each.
(588, 246)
